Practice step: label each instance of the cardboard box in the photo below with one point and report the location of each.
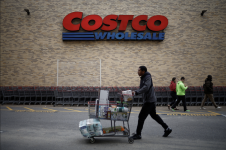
(111, 129)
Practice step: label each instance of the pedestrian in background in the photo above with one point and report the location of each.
(180, 89)
(208, 90)
(173, 92)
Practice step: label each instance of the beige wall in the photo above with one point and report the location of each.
(194, 46)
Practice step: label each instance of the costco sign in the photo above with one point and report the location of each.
(109, 23)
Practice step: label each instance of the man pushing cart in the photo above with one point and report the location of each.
(102, 109)
(149, 106)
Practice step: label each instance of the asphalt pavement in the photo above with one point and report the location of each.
(39, 127)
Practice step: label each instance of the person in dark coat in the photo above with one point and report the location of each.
(208, 90)
(149, 103)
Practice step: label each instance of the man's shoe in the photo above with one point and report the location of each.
(167, 132)
(202, 108)
(172, 109)
(218, 107)
(187, 111)
(136, 137)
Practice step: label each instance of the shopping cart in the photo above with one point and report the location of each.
(94, 113)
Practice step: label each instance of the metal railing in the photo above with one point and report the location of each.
(61, 95)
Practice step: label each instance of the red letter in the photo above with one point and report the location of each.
(135, 24)
(87, 19)
(67, 22)
(153, 27)
(109, 20)
(124, 21)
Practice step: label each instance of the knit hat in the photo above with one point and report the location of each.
(209, 77)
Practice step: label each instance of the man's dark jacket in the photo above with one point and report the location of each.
(146, 89)
(208, 87)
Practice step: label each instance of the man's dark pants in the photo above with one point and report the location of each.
(178, 101)
(148, 109)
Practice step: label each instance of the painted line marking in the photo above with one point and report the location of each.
(8, 108)
(169, 114)
(214, 113)
(50, 109)
(188, 112)
(223, 115)
(35, 111)
(78, 111)
(69, 109)
(165, 111)
(191, 114)
(29, 109)
(74, 111)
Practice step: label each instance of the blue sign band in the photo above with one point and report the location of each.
(81, 33)
(76, 36)
(78, 39)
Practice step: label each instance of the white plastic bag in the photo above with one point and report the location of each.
(127, 95)
(90, 127)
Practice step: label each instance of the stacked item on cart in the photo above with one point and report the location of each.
(112, 112)
(90, 127)
(119, 113)
(102, 104)
(107, 110)
(128, 96)
(111, 129)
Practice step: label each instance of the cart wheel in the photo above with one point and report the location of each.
(131, 140)
(92, 140)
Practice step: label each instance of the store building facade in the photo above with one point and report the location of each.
(34, 52)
